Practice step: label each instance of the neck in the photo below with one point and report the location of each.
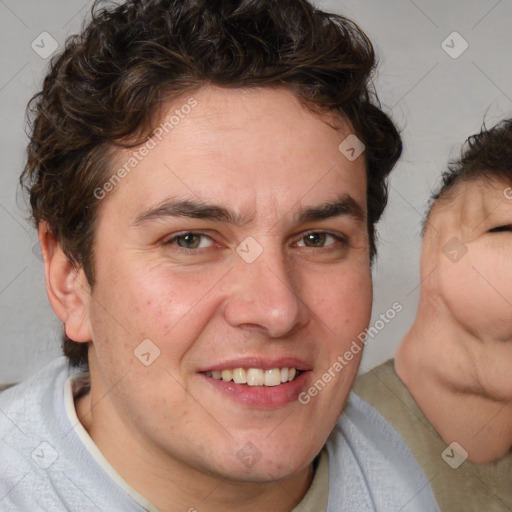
(171, 484)
(460, 382)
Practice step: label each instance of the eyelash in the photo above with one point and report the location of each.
(341, 239)
(500, 229)
(169, 241)
(183, 250)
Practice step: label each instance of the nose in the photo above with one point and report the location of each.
(265, 294)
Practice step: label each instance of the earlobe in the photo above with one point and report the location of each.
(66, 286)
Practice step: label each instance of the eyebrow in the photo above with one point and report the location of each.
(192, 209)
(344, 205)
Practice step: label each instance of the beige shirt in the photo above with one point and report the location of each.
(470, 487)
(315, 499)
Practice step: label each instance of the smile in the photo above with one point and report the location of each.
(255, 376)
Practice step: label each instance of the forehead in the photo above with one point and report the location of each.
(471, 206)
(251, 147)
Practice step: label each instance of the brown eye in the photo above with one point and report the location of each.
(500, 229)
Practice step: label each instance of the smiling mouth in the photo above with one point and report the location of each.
(255, 376)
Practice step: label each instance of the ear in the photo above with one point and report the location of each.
(67, 287)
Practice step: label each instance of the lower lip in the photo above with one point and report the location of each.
(262, 397)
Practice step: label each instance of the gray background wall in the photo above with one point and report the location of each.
(437, 99)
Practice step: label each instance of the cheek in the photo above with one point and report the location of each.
(478, 293)
(154, 304)
(343, 300)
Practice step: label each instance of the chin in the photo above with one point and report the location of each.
(268, 470)
(249, 465)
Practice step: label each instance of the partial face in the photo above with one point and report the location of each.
(468, 244)
(238, 246)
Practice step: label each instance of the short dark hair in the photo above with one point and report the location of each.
(106, 88)
(486, 155)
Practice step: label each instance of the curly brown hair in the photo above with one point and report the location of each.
(486, 155)
(106, 89)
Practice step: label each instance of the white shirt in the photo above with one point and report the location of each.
(48, 462)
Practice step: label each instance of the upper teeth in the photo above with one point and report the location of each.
(255, 376)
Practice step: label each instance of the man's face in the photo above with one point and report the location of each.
(239, 242)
